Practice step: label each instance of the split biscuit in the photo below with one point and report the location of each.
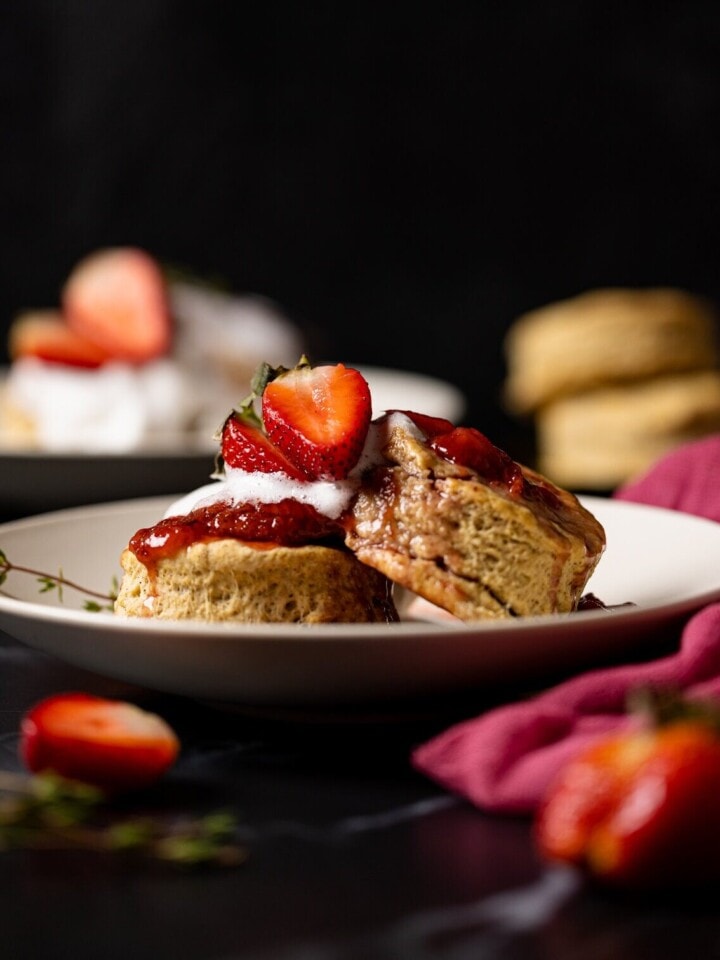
(600, 439)
(470, 547)
(602, 337)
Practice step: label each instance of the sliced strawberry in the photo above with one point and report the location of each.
(107, 743)
(287, 522)
(246, 447)
(45, 335)
(319, 417)
(117, 298)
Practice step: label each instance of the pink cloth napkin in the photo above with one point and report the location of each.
(687, 479)
(504, 760)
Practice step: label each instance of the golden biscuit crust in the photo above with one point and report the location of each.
(17, 430)
(468, 547)
(227, 580)
(604, 337)
(601, 438)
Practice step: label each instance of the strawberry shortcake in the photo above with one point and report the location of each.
(265, 541)
(133, 359)
(96, 373)
(316, 511)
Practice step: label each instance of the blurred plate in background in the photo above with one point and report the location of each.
(401, 390)
(36, 482)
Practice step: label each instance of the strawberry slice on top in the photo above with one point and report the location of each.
(44, 335)
(117, 298)
(318, 416)
(244, 446)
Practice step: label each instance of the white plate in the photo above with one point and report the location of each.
(400, 390)
(37, 481)
(31, 482)
(665, 562)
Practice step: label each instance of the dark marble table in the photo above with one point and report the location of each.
(351, 856)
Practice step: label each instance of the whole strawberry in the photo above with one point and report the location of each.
(318, 416)
(640, 809)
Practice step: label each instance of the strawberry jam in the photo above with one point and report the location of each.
(590, 602)
(287, 523)
(467, 447)
(470, 448)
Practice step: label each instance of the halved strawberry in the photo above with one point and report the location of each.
(117, 298)
(245, 446)
(45, 335)
(319, 417)
(107, 743)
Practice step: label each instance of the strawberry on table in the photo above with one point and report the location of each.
(117, 298)
(318, 416)
(641, 809)
(43, 334)
(110, 744)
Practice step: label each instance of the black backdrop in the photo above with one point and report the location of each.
(402, 181)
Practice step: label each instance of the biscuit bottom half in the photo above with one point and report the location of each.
(228, 580)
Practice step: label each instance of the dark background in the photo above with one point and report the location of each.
(404, 182)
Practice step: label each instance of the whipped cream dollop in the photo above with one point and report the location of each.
(114, 408)
(329, 497)
(222, 326)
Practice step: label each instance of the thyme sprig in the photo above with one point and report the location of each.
(47, 812)
(57, 581)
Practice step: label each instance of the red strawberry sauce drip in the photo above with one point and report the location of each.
(470, 448)
(287, 523)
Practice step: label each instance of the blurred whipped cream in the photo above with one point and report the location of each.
(115, 408)
(218, 341)
(224, 337)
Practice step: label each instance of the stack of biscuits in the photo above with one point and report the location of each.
(614, 378)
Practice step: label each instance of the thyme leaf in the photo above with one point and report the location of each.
(58, 581)
(47, 812)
